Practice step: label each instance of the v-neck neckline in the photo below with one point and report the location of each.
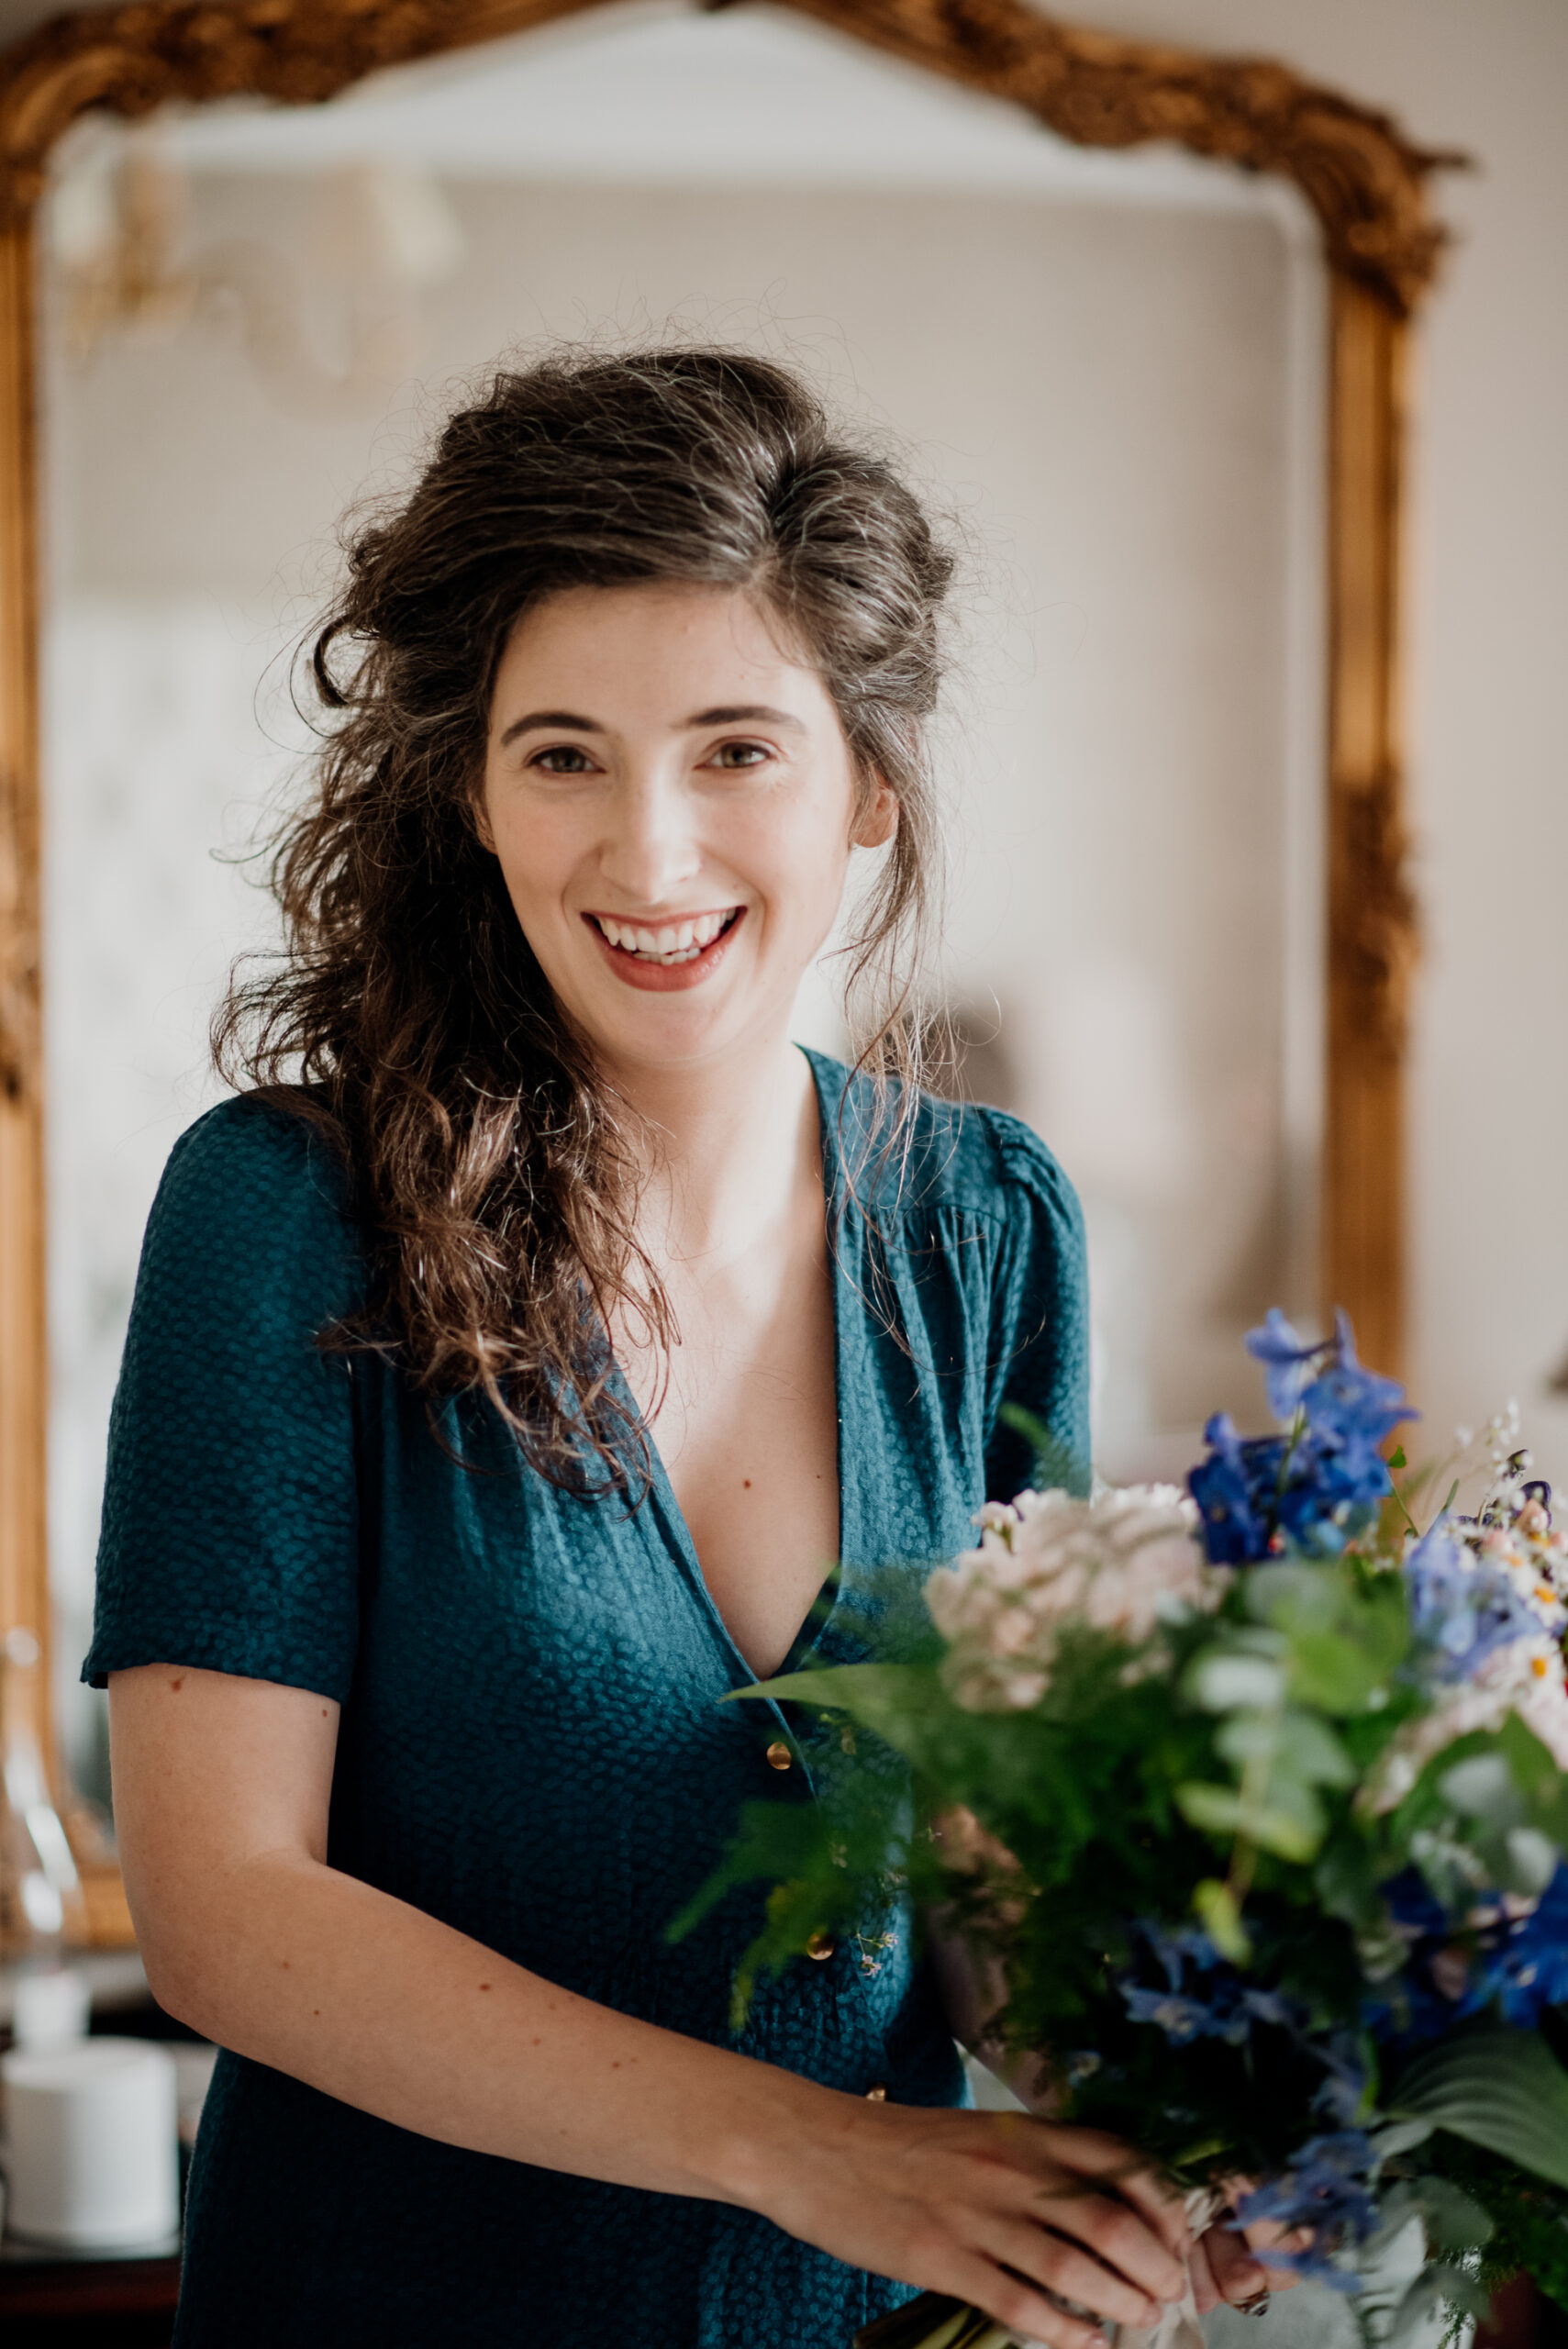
(835, 1207)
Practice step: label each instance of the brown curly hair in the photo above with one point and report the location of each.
(493, 1169)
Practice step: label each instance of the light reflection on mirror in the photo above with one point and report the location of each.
(1108, 366)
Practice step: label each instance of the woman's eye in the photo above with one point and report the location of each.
(562, 758)
(739, 754)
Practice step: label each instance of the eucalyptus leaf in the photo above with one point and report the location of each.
(1221, 1919)
(1295, 1833)
(1309, 1750)
(1296, 1597)
(1225, 1683)
(1284, 1832)
(1248, 1737)
(1503, 2089)
(1483, 1787)
(1535, 1772)
(1532, 1860)
(1331, 1671)
(1216, 1809)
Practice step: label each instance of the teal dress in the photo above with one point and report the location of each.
(533, 1745)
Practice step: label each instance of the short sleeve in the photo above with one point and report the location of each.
(1040, 1327)
(230, 1522)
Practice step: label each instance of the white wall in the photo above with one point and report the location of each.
(1488, 697)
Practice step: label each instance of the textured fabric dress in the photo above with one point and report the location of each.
(533, 1745)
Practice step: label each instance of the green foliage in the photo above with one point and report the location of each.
(1529, 2218)
(1223, 1764)
(1503, 2089)
(1497, 1793)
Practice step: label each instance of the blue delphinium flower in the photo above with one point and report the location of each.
(1327, 2188)
(1346, 1403)
(1237, 1490)
(1183, 2019)
(1416, 2004)
(1461, 1607)
(1530, 1972)
(1317, 1485)
(1344, 2093)
(1202, 1998)
(1288, 1365)
(1494, 1957)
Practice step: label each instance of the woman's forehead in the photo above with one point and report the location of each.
(618, 639)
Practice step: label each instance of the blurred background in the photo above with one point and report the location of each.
(1108, 369)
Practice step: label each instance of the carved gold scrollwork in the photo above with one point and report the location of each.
(1372, 932)
(1365, 178)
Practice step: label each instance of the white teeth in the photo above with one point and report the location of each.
(680, 942)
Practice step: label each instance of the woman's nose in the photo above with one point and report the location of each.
(650, 845)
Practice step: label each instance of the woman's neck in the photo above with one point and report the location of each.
(732, 1148)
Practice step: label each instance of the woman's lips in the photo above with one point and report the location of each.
(666, 978)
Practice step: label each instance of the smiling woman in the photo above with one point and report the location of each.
(509, 1363)
(504, 760)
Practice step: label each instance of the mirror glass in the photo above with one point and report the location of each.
(1107, 369)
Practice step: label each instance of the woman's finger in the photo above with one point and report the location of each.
(1238, 2277)
(1042, 2258)
(1012, 2301)
(1267, 2236)
(1207, 2293)
(1110, 2160)
(1120, 2237)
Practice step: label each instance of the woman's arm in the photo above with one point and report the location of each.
(221, 1791)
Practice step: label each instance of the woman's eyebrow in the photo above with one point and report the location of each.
(746, 714)
(549, 717)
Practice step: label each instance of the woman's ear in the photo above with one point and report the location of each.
(480, 816)
(878, 818)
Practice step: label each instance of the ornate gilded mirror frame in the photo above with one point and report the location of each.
(1365, 180)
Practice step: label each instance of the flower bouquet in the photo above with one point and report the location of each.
(1264, 1812)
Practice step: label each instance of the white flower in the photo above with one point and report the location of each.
(1123, 1562)
(1525, 1679)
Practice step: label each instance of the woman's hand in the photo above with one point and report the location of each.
(995, 2208)
(1222, 2262)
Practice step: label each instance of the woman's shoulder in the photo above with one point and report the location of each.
(253, 1178)
(954, 1154)
(253, 1142)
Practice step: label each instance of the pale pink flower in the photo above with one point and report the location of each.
(1123, 1562)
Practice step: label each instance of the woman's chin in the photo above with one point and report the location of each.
(660, 1028)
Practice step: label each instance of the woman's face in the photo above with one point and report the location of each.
(673, 802)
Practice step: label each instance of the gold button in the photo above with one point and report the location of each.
(778, 1755)
(877, 2096)
(819, 1946)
